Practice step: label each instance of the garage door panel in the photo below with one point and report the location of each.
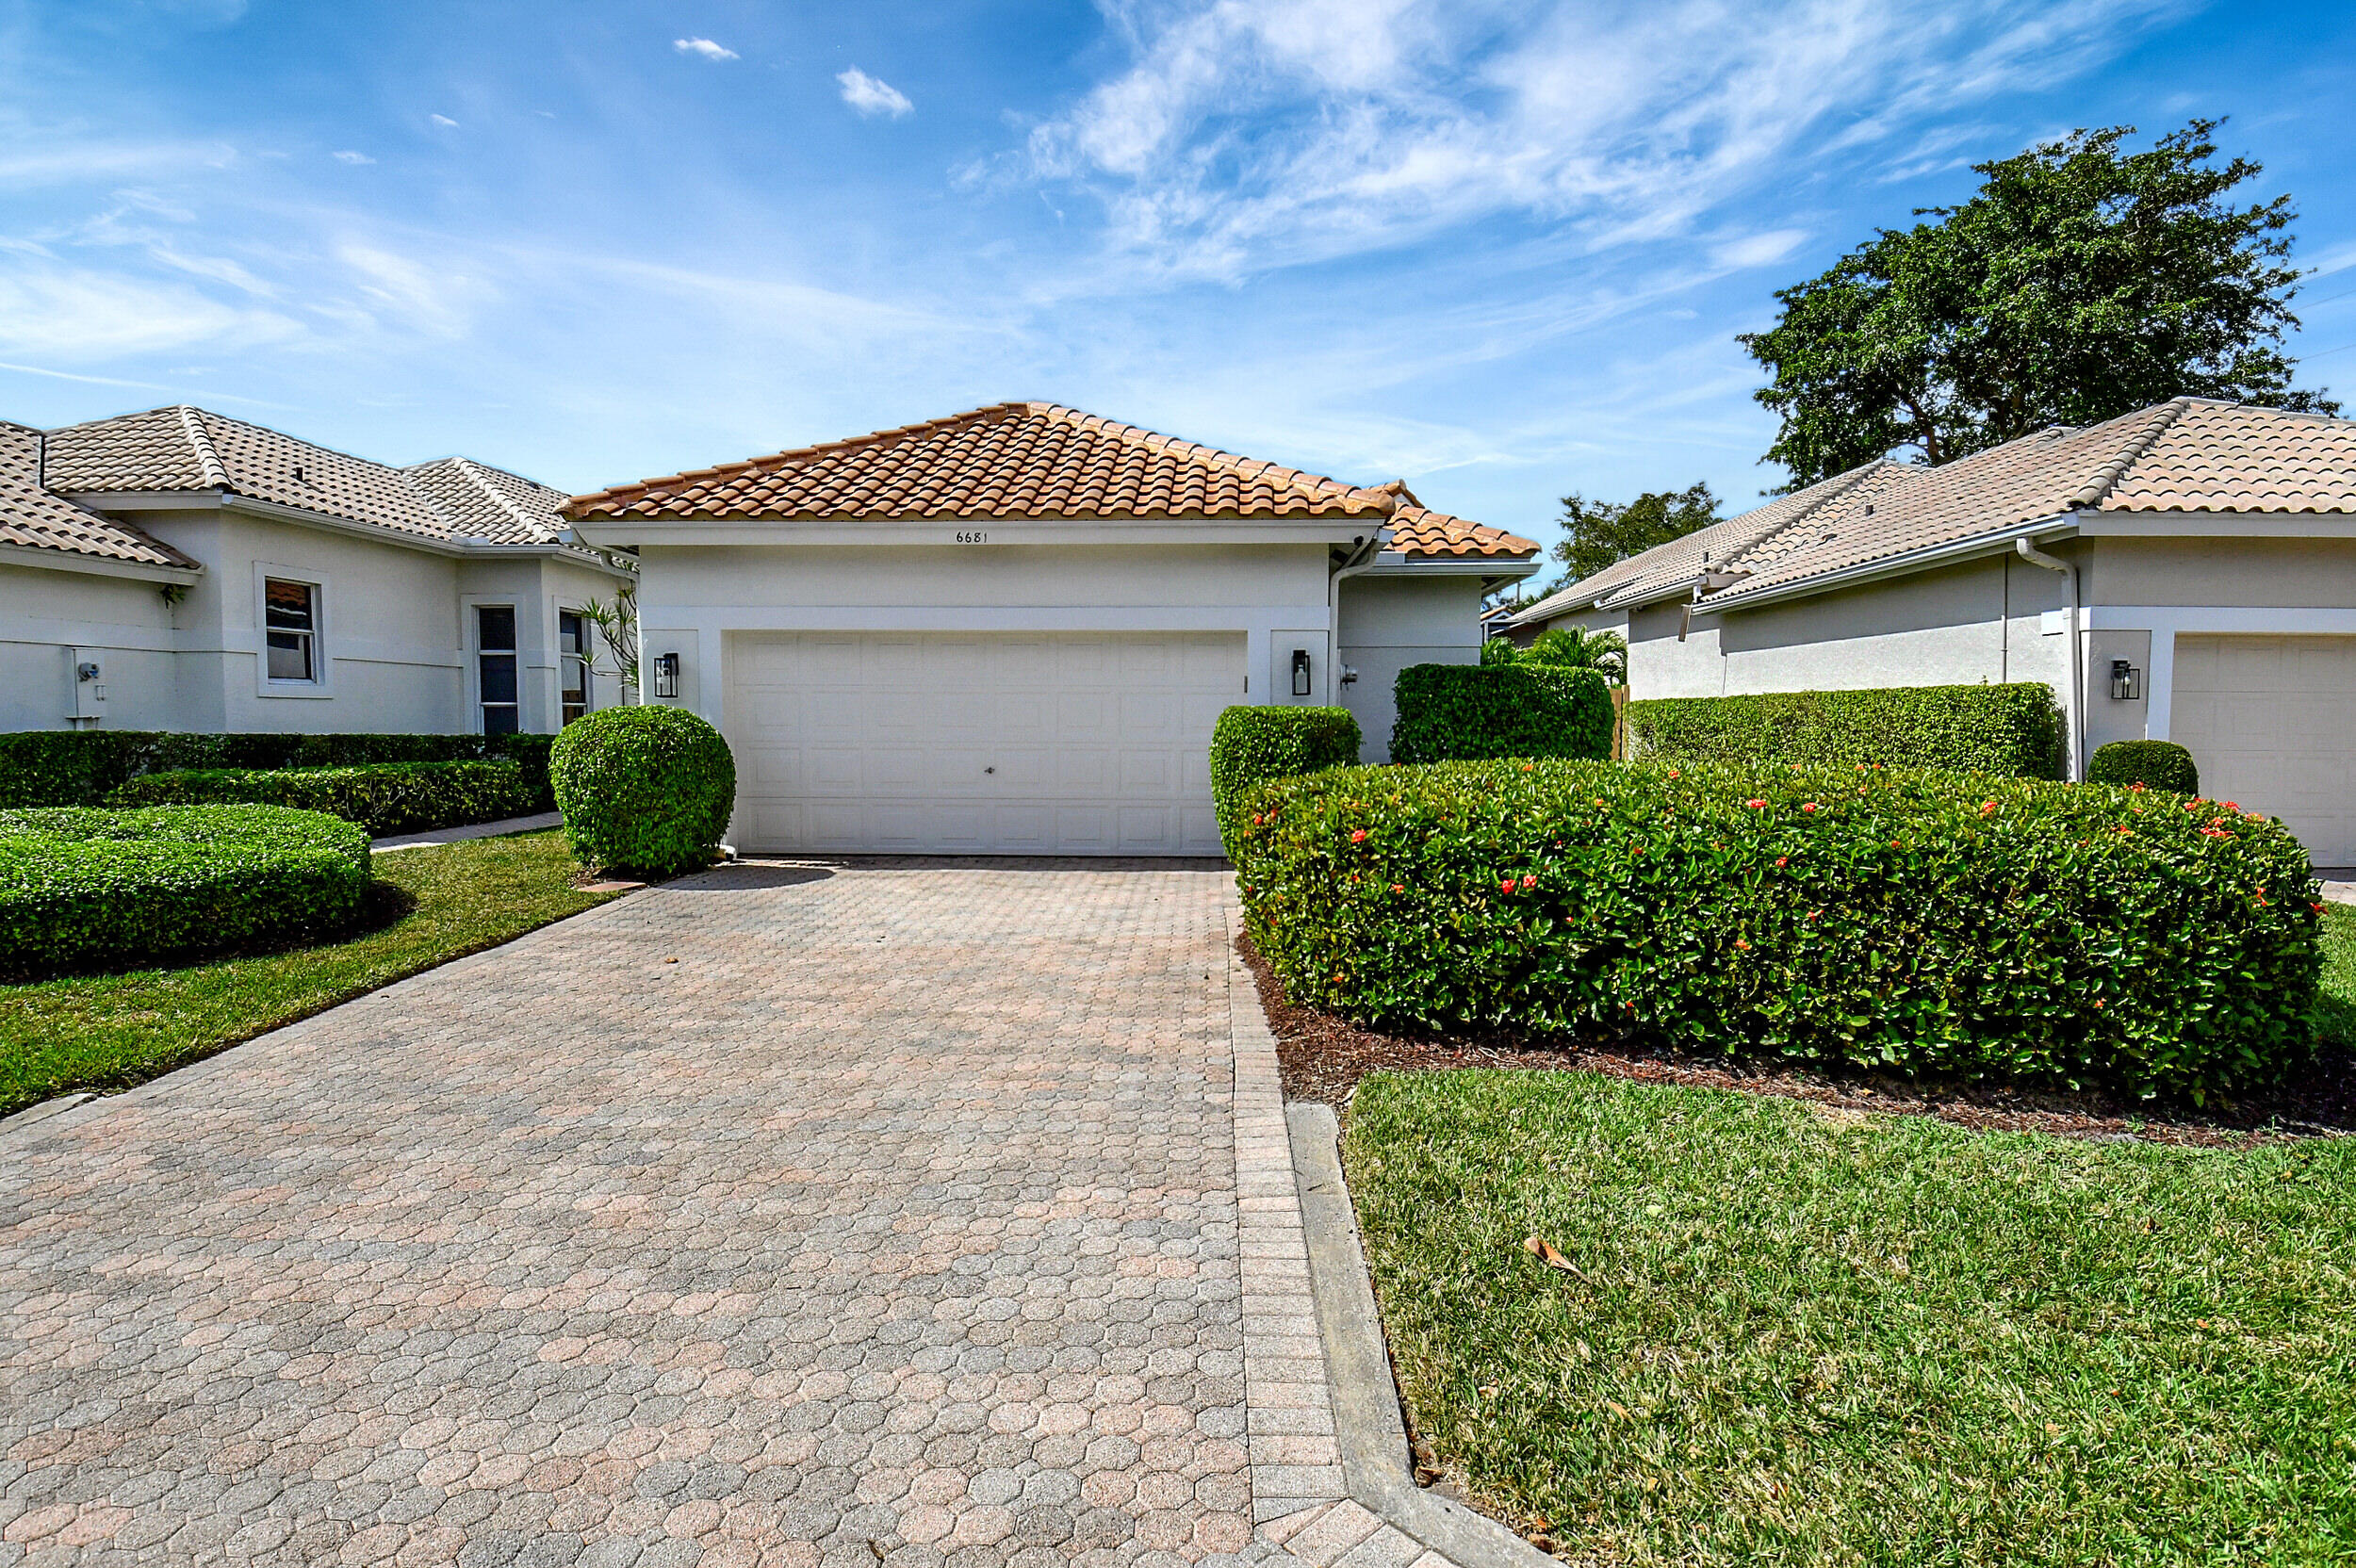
(832, 770)
(1082, 771)
(1023, 830)
(2271, 722)
(1001, 743)
(774, 769)
(1024, 773)
(1148, 772)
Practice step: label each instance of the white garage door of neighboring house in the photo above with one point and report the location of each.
(990, 744)
(2271, 724)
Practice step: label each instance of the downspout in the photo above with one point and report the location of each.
(2073, 708)
(1361, 557)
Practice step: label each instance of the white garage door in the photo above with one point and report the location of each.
(2271, 723)
(994, 743)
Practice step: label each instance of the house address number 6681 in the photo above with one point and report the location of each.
(973, 536)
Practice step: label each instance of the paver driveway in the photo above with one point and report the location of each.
(894, 1220)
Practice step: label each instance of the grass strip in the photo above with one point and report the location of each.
(105, 1032)
(1802, 1337)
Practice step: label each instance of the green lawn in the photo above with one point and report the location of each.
(111, 1031)
(1803, 1337)
(2339, 975)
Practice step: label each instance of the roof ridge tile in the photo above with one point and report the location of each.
(2095, 489)
(200, 443)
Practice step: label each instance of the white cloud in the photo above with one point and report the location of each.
(431, 296)
(872, 95)
(1250, 136)
(1757, 250)
(703, 46)
(80, 316)
(444, 120)
(352, 158)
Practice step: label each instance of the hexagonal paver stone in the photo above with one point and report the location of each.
(893, 1221)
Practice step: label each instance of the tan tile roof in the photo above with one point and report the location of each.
(1034, 459)
(1680, 563)
(2229, 457)
(2190, 454)
(451, 500)
(32, 517)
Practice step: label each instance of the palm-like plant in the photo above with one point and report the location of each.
(1573, 648)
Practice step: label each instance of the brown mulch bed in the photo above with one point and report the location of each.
(1322, 1057)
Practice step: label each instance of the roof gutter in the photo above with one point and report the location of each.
(2075, 701)
(58, 557)
(2061, 525)
(1363, 553)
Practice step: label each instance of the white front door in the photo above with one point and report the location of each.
(2271, 722)
(990, 744)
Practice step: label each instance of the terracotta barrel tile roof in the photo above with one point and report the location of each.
(33, 517)
(1032, 459)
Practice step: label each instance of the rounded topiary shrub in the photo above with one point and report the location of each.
(1917, 920)
(2153, 764)
(87, 889)
(1251, 745)
(645, 790)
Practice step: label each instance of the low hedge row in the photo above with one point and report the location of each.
(2013, 729)
(1924, 920)
(83, 889)
(2153, 764)
(645, 790)
(384, 798)
(1251, 745)
(82, 767)
(1453, 711)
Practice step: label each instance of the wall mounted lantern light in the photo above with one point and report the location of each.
(666, 674)
(1300, 672)
(2126, 681)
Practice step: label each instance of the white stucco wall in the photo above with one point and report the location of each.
(388, 638)
(692, 595)
(396, 637)
(1980, 621)
(1389, 623)
(46, 614)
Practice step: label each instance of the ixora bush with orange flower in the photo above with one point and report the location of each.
(1922, 920)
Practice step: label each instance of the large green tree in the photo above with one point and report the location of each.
(2079, 283)
(1597, 533)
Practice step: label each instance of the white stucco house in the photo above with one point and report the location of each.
(1010, 630)
(2187, 572)
(177, 569)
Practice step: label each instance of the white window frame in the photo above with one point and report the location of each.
(322, 682)
(587, 659)
(473, 633)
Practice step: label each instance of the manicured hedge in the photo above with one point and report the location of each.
(1460, 711)
(1924, 920)
(2012, 730)
(2153, 764)
(1251, 745)
(82, 888)
(384, 797)
(645, 790)
(82, 767)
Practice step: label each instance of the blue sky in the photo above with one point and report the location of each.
(1499, 249)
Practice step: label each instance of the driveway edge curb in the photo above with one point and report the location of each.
(1330, 1485)
(1375, 1457)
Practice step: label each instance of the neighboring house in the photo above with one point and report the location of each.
(1011, 631)
(2187, 572)
(182, 570)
